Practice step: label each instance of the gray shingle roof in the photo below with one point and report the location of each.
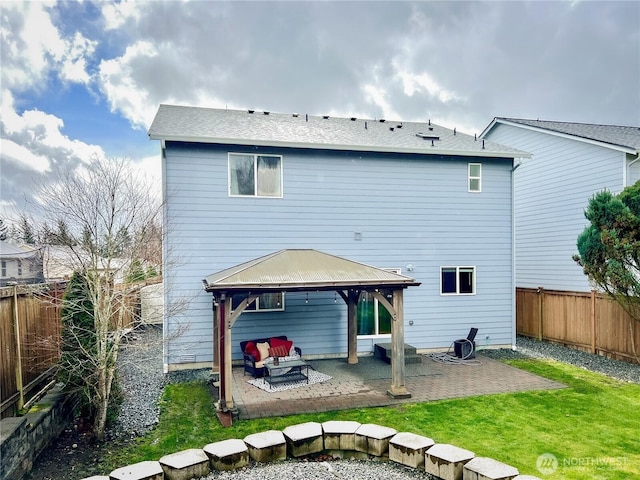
(621, 136)
(240, 127)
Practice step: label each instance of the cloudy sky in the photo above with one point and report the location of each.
(84, 79)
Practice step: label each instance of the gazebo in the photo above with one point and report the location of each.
(306, 270)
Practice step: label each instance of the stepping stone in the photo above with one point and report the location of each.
(340, 434)
(185, 465)
(227, 454)
(304, 439)
(482, 468)
(374, 439)
(409, 449)
(149, 470)
(446, 461)
(268, 446)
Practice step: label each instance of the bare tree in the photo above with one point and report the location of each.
(110, 217)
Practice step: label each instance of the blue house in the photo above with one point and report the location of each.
(570, 162)
(431, 206)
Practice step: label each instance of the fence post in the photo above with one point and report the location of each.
(16, 331)
(540, 310)
(593, 321)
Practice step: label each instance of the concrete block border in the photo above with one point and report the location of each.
(386, 443)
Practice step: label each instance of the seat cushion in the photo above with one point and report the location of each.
(263, 348)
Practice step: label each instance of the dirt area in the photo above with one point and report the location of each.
(72, 456)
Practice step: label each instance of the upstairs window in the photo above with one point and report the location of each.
(255, 175)
(475, 177)
(457, 280)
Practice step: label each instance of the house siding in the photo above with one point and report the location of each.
(552, 190)
(409, 210)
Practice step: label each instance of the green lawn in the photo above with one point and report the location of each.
(592, 427)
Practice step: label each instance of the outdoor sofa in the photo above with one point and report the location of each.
(255, 352)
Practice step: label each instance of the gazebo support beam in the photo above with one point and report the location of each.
(398, 388)
(352, 326)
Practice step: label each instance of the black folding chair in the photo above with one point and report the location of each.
(465, 348)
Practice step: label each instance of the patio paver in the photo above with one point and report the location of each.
(366, 383)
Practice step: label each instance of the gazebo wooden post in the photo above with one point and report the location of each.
(398, 388)
(216, 336)
(352, 326)
(228, 373)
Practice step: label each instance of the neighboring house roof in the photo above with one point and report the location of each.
(302, 269)
(248, 127)
(11, 251)
(619, 137)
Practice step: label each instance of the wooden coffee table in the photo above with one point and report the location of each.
(298, 371)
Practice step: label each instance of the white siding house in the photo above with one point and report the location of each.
(570, 162)
(425, 201)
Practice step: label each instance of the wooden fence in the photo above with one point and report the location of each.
(30, 336)
(587, 321)
(30, 330)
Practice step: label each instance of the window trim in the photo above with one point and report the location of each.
(470, 178)
(255, 174)
(376, 306)
(457, 292)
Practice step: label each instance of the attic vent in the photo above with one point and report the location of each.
(353, 119)
(326, 117)
(266, 113)
(399, 125)
(296, 115)
(250, 111)
(426, 136)
(382, 120)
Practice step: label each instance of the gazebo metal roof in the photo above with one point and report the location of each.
(300, 270)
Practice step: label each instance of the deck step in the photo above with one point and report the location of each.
(383, 352)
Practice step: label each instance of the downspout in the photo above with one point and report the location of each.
(513, 256)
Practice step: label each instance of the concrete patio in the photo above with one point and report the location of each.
(366, 383)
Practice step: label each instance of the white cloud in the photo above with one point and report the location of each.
(21, 157)
(74, 64)
(117, 14)
(34, 138)
(123, 92)
(33, 48)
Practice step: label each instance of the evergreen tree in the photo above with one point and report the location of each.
(135, 272)
(27, 234)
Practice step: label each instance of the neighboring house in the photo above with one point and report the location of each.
(413, 197)
(19, 265)
(570, 162)
(61, 261)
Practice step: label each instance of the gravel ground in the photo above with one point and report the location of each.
(530, 348)
(325, 470)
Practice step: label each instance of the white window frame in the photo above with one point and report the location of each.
(255, 306)
(458, 269)
(470, 178)
(376, 306)
(255, 174)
